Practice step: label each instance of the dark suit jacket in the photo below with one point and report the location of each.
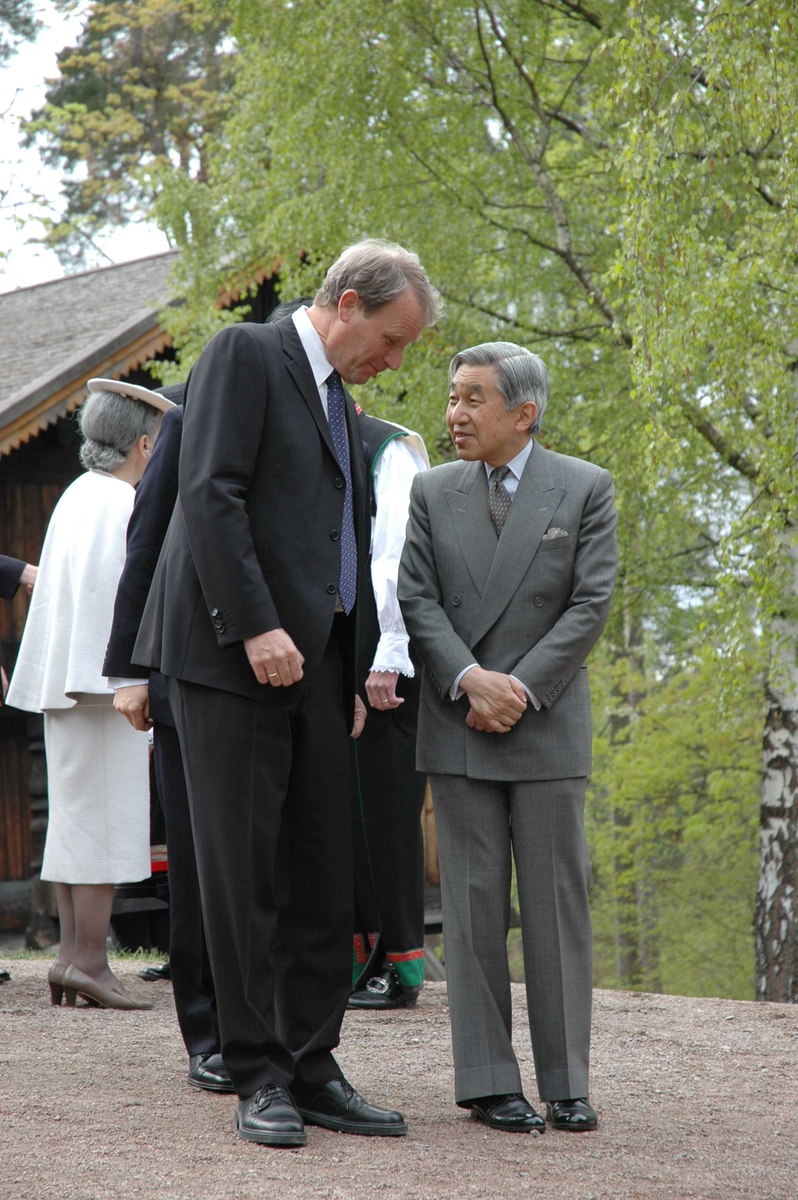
(254, 543)
(155, 501)
(10, 571)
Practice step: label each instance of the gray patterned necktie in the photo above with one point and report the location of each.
(499, 499)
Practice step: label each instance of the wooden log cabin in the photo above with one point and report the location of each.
(53, 338)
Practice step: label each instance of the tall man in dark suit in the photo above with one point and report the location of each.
(505, 585)
(141, 696)
(251, 617)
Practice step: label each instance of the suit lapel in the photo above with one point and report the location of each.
(297, 363)
(530, 515)
(468, 505)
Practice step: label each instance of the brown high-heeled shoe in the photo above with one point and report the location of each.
(76, 983)
(55, 978)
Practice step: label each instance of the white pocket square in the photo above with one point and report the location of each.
(554, 532)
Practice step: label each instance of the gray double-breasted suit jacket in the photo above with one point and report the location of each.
(531, 604)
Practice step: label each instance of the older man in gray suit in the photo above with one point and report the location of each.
(505, 586)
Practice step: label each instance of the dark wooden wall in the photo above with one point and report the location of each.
(31, 480)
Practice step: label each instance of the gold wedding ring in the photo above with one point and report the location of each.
(273, 673)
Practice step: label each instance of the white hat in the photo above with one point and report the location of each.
(133, 390)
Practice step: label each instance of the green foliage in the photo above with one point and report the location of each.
(672, 826)
(17, 23)
(709, 171)
(144, 87)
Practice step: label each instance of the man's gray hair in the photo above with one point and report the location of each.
(111, 425)
(520, 374)
(380, 272)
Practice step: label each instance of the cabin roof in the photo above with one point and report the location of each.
(54, 336)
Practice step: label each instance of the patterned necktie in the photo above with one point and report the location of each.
(336, 410)
(499, 499)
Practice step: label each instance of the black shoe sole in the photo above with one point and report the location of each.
(212, 1087)
(270, 1139)
(575, 1128)
(383, 1006)
(563, 1127)
(340, 1125)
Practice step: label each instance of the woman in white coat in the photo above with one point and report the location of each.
(97, 764)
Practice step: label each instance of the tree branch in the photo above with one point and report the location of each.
(734, 458)
(582, 333)
(573, 10)
(564, 247)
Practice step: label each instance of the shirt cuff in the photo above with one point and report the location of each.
(115, 683)
(535, 702)
(455, 691)
(392, 654)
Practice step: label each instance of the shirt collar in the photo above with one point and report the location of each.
(518, 463)
(312, 345)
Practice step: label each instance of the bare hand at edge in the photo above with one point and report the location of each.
(274, 658)
(381, 690)
(134, 704)
(360, 718)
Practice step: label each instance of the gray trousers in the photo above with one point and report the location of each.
(478, 824)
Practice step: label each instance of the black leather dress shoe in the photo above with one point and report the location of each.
(336, 1105)
(271, 1118)
(5, 976)
(513, 1113)
(156, 971)
(574, 1116)
(384, 991)
(209, 1072)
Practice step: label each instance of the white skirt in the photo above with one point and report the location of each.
(98, 829)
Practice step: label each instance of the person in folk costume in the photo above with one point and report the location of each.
(13, 572)
(389, 848)
(97, 766)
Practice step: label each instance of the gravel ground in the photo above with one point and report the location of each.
(696, 1098)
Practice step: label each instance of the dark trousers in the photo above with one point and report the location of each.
(192, 981)
(389, 845)
(269, 792)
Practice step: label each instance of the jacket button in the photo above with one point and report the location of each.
(334, 535)
(538, 601)
(331, 589)
(339, 482)
(214, 612)
(220, 627)
(455, 600)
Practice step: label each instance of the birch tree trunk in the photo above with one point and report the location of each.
(776, 920)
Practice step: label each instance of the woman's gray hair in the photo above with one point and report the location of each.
(111, 425)
(380, 272)
(520, 375)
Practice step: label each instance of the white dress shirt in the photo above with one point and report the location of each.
(510, 481)
(317, 355)
(396, 468)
